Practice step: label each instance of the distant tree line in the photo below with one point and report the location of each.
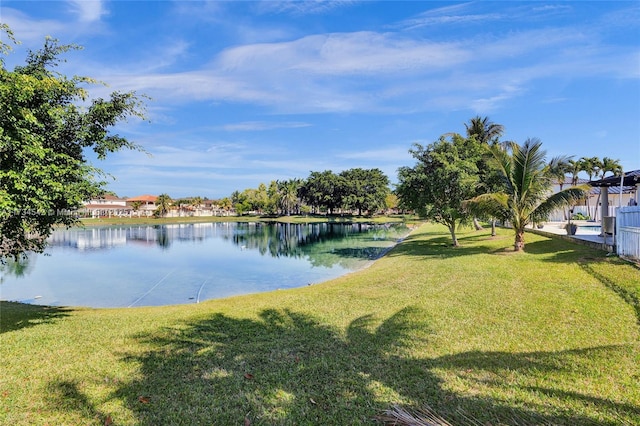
(356, 191)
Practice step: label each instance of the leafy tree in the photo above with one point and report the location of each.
(273, 198)
(391, 201)
(525, 196)
(251, 200)
(323, 190)
(364, 189)
(47, 123)
(261, 198)
(445, 175)
(239, 202)
(163, 205)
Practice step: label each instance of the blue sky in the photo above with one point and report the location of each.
(248, 92)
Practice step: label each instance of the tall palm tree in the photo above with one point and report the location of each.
(486, 132)
(590, 165)
(525, 196)
(289, 199)
(574, 168)
(610, 165)
(606, 165)
(559, 172)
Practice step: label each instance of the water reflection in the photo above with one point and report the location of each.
(183, 263)
(19, 267)
(274, 239)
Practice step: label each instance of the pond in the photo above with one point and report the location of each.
(127, 266)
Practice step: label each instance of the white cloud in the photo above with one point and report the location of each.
(393, 154)
(302, 7)
(249, 126)
(30, 31)
(448, 15)
(88, 11)
(347, 54)
(381, 72)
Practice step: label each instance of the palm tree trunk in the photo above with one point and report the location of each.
(476, 224)
(519, 243)
(493, 227)
(595, 209)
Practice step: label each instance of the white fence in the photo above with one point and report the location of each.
(628, 232)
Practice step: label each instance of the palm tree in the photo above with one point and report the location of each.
(226, 204)
(196, 202)
(163, 205)
(136, 207)
(574, 168)
(485, 132)
(559, 173)
(527, 181)
(289, 199)
(606, 165)
(590, 165)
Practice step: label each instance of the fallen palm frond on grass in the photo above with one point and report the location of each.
(401, 416)
(426, 416)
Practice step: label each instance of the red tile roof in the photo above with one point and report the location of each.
(143, 198)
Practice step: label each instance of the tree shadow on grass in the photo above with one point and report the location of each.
(439, 246)
(562, 251)
(67, 396)
(626, 294)
(286, 367)
(15, 315)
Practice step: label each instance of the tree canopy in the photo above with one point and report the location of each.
(445, 175)
(364, 189)
(47, 123)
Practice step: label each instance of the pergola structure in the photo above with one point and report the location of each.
(628, 183)
(629, 179)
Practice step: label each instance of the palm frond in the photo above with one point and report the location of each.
(529, 167)
(401, 416)
(559, 200)
(502, 162)
(494, 205)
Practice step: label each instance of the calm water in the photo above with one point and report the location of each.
(592, 228)
(188, 263)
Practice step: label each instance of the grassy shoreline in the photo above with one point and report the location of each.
(542, 337)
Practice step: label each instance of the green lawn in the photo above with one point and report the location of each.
(550, 336)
